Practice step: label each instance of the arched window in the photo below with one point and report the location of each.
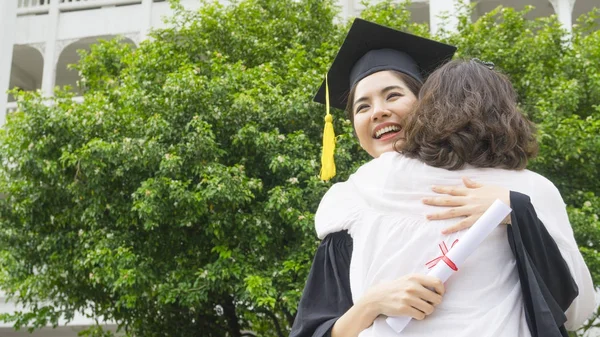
(69, 55)
(26, 69)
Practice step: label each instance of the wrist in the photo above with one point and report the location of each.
(359, 317)
(369, 307)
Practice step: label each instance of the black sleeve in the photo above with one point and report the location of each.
(326, 296)
(546, 281)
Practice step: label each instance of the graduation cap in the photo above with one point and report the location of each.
(370, 48)
(367, 49)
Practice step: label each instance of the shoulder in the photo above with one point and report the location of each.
(390, 168)
(379, 164)
(542, 190)
(338, 192)
(338, 209)
(388, 161)
(550, 209)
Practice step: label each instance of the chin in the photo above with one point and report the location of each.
(386, 149)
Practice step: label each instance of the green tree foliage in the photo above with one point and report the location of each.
(178, 198)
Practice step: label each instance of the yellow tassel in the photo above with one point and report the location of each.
(327, 161)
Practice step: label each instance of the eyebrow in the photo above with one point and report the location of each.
(388, 88)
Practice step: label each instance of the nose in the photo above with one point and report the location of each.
(380, 111)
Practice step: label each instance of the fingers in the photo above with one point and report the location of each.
(424, 308)
(429, 286)
(444, 201)
(414, 295)
(451, 190)
(428, 296)
(423, 295)
(464, 224)
(451, 213)
(437, 288)
(470, 183)
(457, 190)
(414, 313)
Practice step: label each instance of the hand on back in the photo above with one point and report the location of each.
(470, 201)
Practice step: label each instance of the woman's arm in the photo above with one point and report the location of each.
(326, 307)
(355, 320)
(552, 213)
(326, 296)
(551, 251)
(470, 201)
(547, 285)
(409, 295)
(542, 251)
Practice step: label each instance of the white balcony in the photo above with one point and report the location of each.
(13, 107)
(48, 33)
(26, 7)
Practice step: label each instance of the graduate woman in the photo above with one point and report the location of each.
(507, 288)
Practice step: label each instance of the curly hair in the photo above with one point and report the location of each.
(467, 113)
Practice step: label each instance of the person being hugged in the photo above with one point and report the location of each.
(525, 278)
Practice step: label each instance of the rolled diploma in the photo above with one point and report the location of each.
(465, 246)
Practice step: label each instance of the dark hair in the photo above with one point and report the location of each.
(467, 113)
(412, 84)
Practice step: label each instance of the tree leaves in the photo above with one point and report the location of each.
(177, 199)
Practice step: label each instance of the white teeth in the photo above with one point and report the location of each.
(386, 129)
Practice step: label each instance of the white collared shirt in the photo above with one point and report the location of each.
(380, 205)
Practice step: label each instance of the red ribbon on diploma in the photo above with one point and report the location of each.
(443, 257)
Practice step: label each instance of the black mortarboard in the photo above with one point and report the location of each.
(369, 48)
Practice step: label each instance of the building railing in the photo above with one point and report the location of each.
(29, 7)
(13, 107)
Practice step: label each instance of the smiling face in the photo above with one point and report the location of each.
(379, 103)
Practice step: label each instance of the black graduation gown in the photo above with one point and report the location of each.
(546, 282)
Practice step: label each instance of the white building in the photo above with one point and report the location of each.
(39, 38)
